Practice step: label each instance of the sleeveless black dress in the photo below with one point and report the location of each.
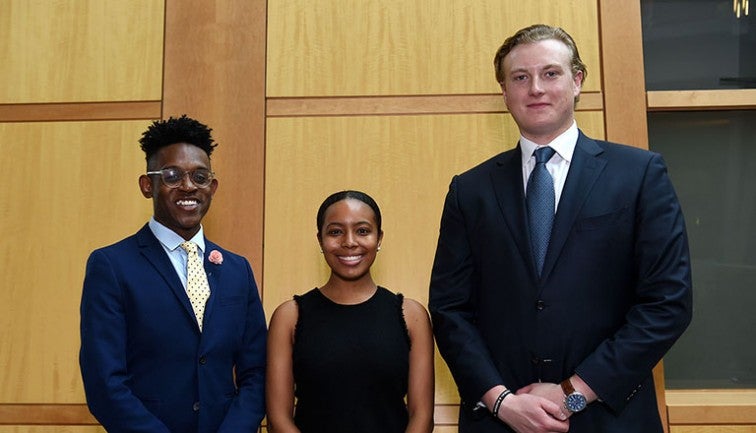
(351, 364)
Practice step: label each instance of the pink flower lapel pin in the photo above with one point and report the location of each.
(215, 257)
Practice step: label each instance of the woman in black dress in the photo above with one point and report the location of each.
(350, 352)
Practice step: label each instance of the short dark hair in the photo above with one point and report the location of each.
(174, 130)
(536, 33)
(343, 195)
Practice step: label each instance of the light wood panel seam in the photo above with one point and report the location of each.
(712, 415)
(696, 100)
(711, 407)
(80, 111)
(45, 414)
(402, 105)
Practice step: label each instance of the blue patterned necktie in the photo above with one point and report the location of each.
(540, 202)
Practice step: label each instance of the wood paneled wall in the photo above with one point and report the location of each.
(80, 50)
(215, 71)
(69, 184)
(81, 80)
(399, 47)
(392, 97)
(69, 180)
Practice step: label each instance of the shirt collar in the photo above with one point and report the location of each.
(171, 240)
(564, 144)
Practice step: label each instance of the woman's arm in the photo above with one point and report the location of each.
(420, 395)
(279, 379)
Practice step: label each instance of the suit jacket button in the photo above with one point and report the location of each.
(540, 305)
(195, 406)
(202, 360)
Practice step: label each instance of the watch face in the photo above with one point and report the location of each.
(575, 402)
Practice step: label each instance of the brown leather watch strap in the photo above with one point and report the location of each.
(567, 387)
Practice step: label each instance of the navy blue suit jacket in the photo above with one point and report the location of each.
(145, 364)
(614, 295)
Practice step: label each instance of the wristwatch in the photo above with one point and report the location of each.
(573, 400)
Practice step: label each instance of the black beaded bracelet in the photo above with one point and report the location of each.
(499, 399)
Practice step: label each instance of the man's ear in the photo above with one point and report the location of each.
(578, 80)
(145, 185)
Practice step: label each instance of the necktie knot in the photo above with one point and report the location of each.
(544, 154)
(189, 247)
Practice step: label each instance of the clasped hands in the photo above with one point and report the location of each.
(536, 408)
(539, 407)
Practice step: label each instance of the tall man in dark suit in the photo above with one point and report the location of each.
(153, 360)
(556, 324)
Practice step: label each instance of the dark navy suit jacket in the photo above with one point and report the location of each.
(614, 295)
(145, 364)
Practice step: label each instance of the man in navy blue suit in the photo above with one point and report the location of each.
(556, 325)
(150, 363)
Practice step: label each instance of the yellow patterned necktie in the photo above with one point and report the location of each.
(197, 286)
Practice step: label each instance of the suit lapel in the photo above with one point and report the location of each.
(150, 248)
(585, 168)
(510, 196)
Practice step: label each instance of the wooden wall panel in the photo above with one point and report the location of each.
(70, 187)
(80, 50)
(446, 429)
(712, 406)
(624, 83)
(399, 47)
(80, 111)
(402, 105)
(46, 414)
(404, 162)
(215, 72)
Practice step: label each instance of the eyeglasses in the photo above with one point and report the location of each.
(174, 177)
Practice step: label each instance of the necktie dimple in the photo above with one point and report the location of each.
(197, 286)
(540, 203)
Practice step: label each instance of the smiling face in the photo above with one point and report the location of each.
(350, 239)
(540, 89)
(180, 209)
